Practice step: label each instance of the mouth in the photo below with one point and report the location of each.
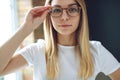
(65, 25)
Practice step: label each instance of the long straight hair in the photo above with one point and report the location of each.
(86, 68)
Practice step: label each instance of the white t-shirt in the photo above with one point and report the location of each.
(34, 54)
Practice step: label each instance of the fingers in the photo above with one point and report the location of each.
(38, 11)
(36, 16)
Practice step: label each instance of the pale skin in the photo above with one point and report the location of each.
(8, 63)
(66, 35)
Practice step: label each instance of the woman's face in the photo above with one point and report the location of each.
(65, 23)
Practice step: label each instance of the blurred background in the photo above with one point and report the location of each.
(104, 23)
(12, 13)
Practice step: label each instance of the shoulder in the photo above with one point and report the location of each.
(33, 52)
(38, 45)
(41, 43)
(95, 45)
(97, 49)
(34, 48)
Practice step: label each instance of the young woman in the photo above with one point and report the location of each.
(66, 53)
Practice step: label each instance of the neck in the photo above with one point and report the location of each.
(66, 40)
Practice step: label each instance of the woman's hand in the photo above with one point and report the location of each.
(36, 16)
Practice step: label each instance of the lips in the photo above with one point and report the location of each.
(65, 25)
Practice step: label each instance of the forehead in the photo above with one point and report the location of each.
(64, 3)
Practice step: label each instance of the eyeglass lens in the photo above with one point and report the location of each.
(73, 10)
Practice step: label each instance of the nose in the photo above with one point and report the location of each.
(64, 16)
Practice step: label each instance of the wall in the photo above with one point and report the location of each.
(104, 23)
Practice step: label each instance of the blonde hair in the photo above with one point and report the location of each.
(86, 69)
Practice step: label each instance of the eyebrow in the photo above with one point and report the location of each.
(68, 5)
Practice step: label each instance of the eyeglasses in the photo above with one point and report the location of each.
(73, 10)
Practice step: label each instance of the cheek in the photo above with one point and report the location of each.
(76, 21)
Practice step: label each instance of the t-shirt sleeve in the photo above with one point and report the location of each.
(108, 63)
(31, 52)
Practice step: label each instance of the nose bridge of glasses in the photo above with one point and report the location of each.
(66, 11)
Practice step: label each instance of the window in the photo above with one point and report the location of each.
(8, 24)
(12, 14)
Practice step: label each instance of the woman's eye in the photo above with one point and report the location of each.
(73, 10)
(57, 11)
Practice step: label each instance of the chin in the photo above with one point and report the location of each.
(66, 33)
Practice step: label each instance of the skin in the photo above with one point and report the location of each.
(31, 22)
(66, 34)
